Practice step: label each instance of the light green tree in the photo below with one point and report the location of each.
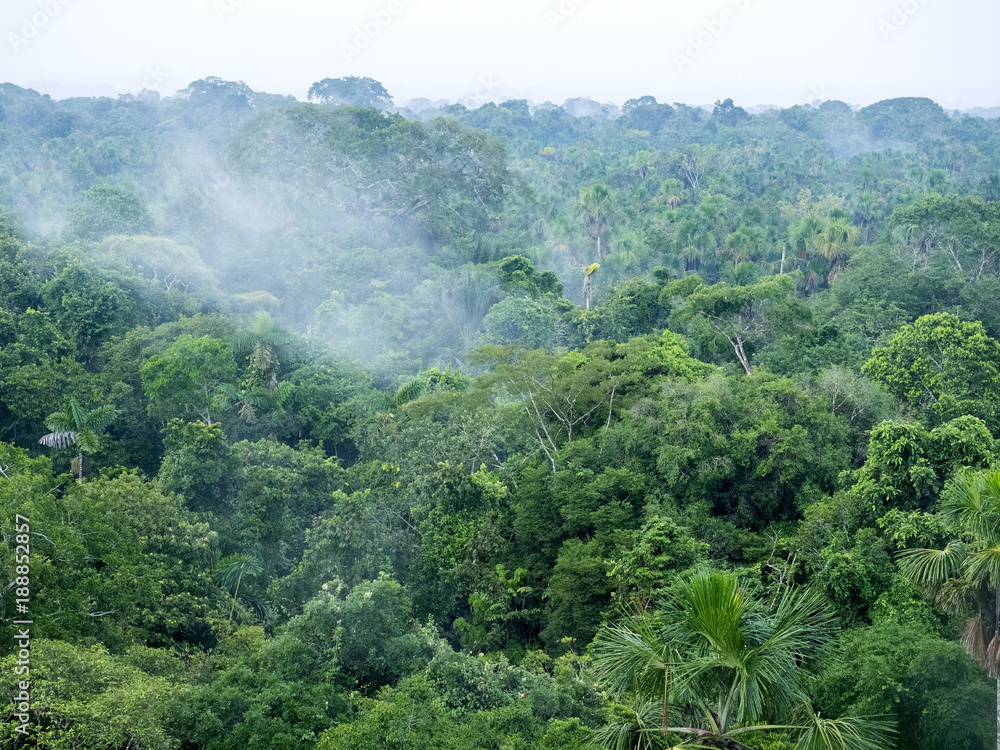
(740, 317)
(942, 366)
(183, 381)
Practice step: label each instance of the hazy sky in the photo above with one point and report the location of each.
(757, 51)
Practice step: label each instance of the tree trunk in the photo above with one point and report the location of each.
(666, 700)
(998, 713)
(79, 478)
(742, 356)
(237, 592)
(784, 247)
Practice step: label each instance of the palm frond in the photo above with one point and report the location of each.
(956, 595)
(973, 502)
(630, 657)
(983, 568)
(715, 608)
(243, 342)
(65, 439)
(281, 393)
(230, 569)
(61, 421)
(88, 441)
(632, 727)
(410, 392)
(225, 394)
(931, 568)
(992, 488)
(100, 418)
(974, 639)
(803, 622)
(78, 414)
(852, 733)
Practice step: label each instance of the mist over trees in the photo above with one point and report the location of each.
(360, 423)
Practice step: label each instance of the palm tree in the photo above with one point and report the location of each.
(265, 343)
(671, 192)
(230, 572)
(75, 427)
(834, 244)
(386, 405)
(867, 210)
(692, 238)
(803, 235)
(596, 206)
(746, 243)
(642, 163)
(720, 666)
(248, 401)
(964, 577)
(741, 274)
(634, 247)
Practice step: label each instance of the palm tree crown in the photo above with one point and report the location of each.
(717, 664)
(265, 343)
(596, 206)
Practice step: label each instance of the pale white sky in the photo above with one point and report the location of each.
(756, 51)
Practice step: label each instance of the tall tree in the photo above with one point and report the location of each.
(74, 427)
(742, 317)
(182, 382)
(596, 207)
(360, 92)
(264, 343)
(835, 244)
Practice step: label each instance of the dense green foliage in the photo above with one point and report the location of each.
(461, 429)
